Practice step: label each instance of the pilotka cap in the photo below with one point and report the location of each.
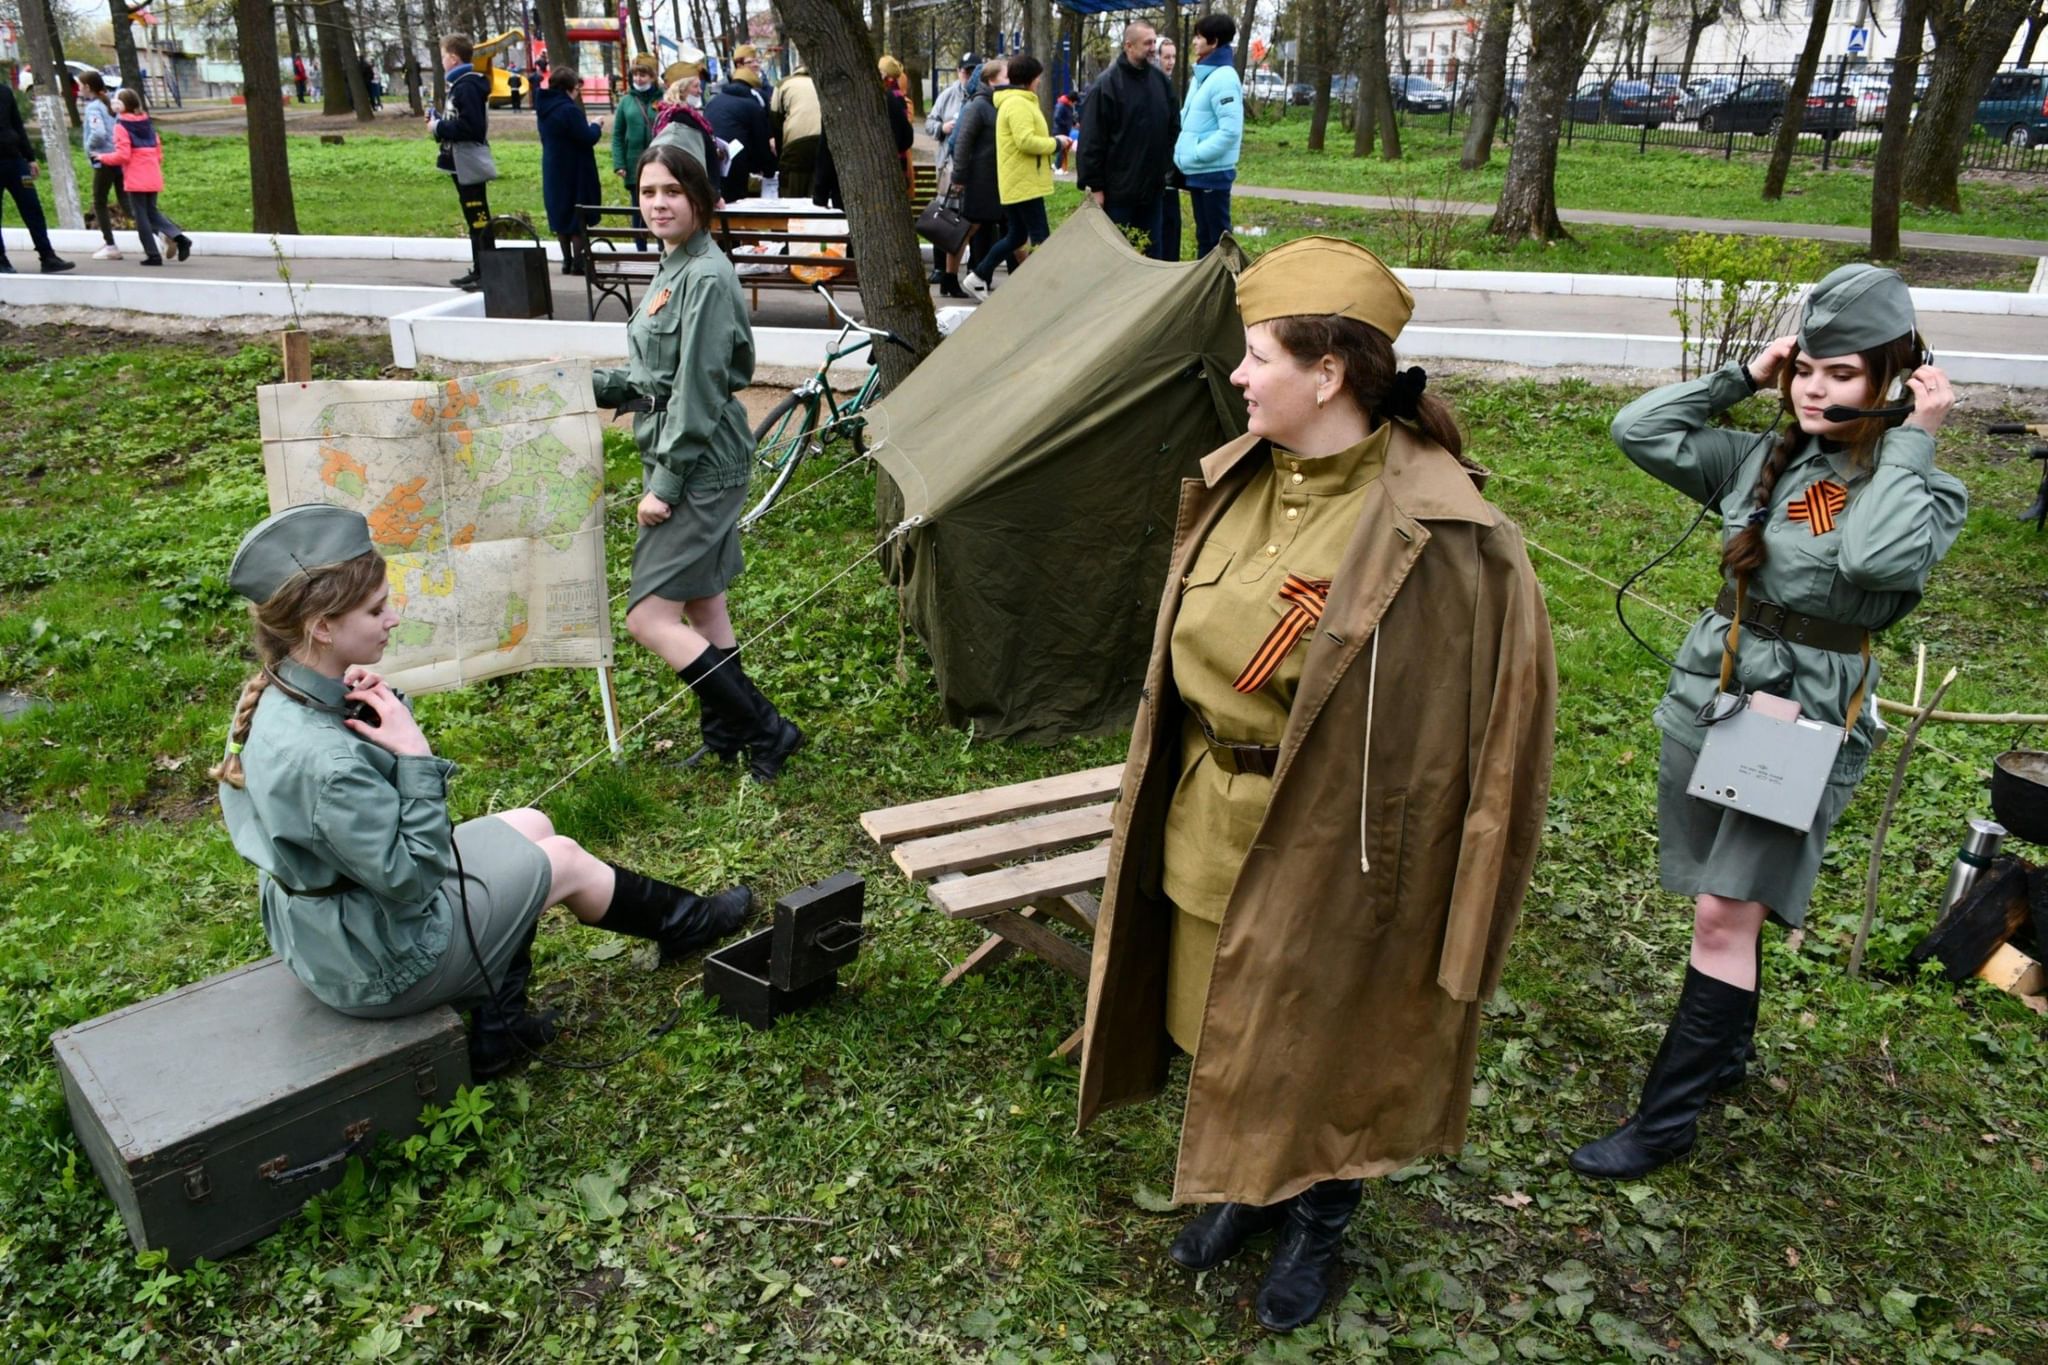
(1319, 276)
(312, 535)
(1853, 309)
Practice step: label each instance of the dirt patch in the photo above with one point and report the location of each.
(56, 332)
(1966, 270)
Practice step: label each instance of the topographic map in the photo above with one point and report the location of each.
(485, 496)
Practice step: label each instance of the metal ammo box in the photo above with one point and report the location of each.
(213, 1112)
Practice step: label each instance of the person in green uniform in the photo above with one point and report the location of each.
(371, 895)
(1829, 534)
(1310, 903)
(691, 351)
(633, 130)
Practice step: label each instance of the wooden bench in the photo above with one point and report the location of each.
(984, 855)
(623, 258)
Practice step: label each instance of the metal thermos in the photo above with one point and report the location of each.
(1980, 846)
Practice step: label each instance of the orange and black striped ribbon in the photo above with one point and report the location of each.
(1306, 596)
(1819, 505)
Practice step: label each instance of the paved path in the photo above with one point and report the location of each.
(1929, 241)
(1464, 308)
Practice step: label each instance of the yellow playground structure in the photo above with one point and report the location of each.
(610, 31)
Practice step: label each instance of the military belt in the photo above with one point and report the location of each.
(1261, 760)
(1816, 632)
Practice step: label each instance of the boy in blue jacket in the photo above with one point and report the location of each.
(463, 130)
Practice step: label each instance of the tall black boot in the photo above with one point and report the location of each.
(1744, 1050)
(502, 1031)
(768, 736)
(679, 921)
(1217, 1232)
(1299, 1279)
(570, 264)
(724, 711)
(1694, 1055)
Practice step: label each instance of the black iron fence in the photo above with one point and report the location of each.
(1735, 109)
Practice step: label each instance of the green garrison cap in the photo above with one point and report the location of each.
(297, 540)
(1854, 309)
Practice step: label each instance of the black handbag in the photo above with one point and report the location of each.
(944, 226)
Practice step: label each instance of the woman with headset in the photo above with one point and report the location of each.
(1829, 534)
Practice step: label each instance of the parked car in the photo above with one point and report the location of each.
(1301, 93)
(1343, 89)
(1757, 106)
(1703, 92)
(1267, 86)
(1419, 93)
(1510, 96)
(1630, 102)
(1870, 94)
(2015, 108)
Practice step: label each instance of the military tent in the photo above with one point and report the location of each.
(1042, 447)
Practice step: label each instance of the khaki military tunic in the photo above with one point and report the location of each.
(1295, 517)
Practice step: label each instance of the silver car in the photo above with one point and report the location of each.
(1701, 93)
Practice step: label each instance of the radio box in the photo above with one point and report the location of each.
(213, 1112)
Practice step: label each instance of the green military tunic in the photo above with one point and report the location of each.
(358, 858)
(1295, 517)
(1857, 550)
(690, 346)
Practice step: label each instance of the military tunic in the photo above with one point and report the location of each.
(1295, 517)
(1846, 543)
(358, 858)
(690, 346)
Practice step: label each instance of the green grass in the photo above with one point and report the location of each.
(1607, 175)
(894, 1176)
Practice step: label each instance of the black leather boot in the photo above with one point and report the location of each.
(1736, 1072)
(722, 686)
(1694, 1056)
(678, 920)
(502, 1031)
(724, 710)
(1299, 1279)
(1217, 1232)
(774, 738)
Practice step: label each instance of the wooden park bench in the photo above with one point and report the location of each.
(618, 264)
(983, 854)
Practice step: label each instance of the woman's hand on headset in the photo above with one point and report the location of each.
(1765, 367)
(395, 729)
(1932, 398)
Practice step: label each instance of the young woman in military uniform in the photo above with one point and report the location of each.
(1830, 532)
(691, 350)
(1312, 898)
(371, 896)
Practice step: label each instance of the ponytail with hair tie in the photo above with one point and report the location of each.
(1404, 397)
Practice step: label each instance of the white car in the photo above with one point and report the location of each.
(1267, 86)
(25, 76)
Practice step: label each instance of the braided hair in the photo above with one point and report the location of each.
(1370, 375)
(281, 625)
(1745, 552)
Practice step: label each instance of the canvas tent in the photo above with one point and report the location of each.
(1043, 444)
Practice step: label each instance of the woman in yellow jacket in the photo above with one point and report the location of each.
(1024, 153)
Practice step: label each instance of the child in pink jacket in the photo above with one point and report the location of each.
(140, 155)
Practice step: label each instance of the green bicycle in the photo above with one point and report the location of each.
(813, 414)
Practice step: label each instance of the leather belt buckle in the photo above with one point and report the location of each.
(1256, 759)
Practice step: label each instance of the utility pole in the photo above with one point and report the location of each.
(49, 102)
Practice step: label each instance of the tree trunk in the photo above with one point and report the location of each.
(334, 85)
(554, 31)
(1794, 112)
(1890, 169)
(1968, 45)
(1558, 30)
(1698, 21)
(412, 57)
(1242, 55)
(639, 31)
(1316, 61)
(893, 289)
(1042, 42)
(270, 173)
(1369, 117)
(1490, 92)
(64, 90)
(124, 46)
(351, 58)
(39, 45)
(730, 35)
(2036, 21)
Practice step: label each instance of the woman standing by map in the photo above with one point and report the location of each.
(691, 350)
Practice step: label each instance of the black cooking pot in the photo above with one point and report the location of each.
(2019, 793)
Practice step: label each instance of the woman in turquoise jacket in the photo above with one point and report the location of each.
(1829, 534)
(1211, 130)
(374, 898)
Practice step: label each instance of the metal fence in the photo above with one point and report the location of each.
(1734, 110)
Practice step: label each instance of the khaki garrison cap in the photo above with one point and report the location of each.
(297, 540)
(1318, 276)
(1855, 308)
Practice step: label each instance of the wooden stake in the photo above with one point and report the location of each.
(1884, 820)
(297, 349)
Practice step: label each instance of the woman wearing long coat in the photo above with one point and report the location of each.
(1361, 806)
(974, 163)
(568, 164)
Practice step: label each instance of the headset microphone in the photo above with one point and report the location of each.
(1895, 410)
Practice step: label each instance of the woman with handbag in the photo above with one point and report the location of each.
(1830, 533)
(974, 171)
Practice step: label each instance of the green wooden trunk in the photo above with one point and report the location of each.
(213, 1112)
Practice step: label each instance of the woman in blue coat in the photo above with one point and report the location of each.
(568, 166)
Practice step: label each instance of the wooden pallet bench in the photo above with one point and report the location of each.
(1018, 860)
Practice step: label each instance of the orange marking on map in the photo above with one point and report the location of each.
(397, 521)
(464, 536)
(513, 637)
(464, 435)
(422, 410)
(334, 463)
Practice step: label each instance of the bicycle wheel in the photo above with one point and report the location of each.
(780, 444)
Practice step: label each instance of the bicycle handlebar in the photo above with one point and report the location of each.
(851, 323)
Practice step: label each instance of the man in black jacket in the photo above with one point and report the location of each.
(463, 130)
(17, 172)
(1130, 123)
(737, 115)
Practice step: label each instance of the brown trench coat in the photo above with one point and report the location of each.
(1342, 1024)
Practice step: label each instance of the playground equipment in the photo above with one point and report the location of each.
(607, 30)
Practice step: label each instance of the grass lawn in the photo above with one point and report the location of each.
(1607, 175)
(894, 1176)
